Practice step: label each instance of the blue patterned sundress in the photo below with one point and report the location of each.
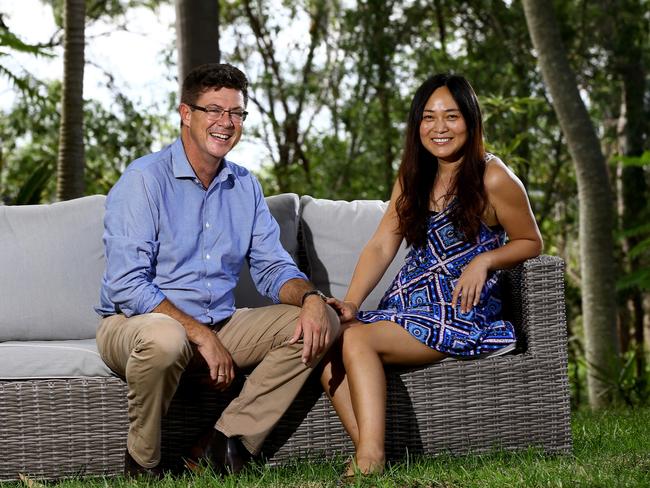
(419, 299)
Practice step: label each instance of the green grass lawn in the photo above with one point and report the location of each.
(611, 449)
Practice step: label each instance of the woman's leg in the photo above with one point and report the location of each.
(365, 351)
(335, 384)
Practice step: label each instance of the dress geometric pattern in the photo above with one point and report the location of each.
(419, 299)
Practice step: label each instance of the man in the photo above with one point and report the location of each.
(179, 224)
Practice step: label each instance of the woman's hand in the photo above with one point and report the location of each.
(346, 310)
(470, 284)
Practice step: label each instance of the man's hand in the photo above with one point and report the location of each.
(217, 357)
(315, 327)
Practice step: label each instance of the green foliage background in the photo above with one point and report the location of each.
(333, 101)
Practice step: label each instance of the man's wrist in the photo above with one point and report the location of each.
(317, 293)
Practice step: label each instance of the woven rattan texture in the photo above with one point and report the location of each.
(61, 428)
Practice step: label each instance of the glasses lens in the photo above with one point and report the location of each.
(214, 113)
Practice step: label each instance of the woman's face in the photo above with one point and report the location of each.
(443, 131)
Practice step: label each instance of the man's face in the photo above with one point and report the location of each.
(211, 137)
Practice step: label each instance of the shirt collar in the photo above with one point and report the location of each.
(180, 164)
(183, 169)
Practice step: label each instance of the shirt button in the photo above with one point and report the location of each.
(207, 256)
(207, 225)
(209, 285)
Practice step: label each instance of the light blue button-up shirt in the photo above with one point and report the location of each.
(165, 236)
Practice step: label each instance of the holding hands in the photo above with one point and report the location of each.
(347, 311)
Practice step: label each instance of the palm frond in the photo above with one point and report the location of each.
(21, 82)
(13, 42)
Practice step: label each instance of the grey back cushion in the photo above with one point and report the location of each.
(284, 208)
(334, 234)
(51, 262)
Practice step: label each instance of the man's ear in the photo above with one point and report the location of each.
(185, 113)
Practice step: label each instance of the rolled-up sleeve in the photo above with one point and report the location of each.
(270, 264)
(131, 246)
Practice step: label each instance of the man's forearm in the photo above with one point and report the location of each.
(293, 290)
(193, 327)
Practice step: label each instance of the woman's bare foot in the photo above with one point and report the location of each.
(364, 466)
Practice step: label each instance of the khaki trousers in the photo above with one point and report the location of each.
(152, 352)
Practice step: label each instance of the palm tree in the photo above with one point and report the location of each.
(71, 160)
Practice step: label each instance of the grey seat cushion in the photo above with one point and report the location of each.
(52, 259)
(335, 233)
(51, 359)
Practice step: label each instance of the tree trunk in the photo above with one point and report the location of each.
(197, 34)
(634, 189)
(71, 159)
(646, 321)
(597, 261)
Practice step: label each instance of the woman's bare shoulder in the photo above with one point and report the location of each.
(499, 177)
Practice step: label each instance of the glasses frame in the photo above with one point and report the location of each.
(218, 112)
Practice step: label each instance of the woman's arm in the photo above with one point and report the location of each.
(373, 261)
(509, 207)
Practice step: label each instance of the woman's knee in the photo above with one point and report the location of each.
(355, 340)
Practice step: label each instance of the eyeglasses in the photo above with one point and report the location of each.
(214, 112)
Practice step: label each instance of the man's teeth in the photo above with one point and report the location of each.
(223, 137)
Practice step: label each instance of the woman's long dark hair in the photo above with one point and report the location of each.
(418, 169)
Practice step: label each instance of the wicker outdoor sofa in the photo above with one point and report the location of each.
(57, 422)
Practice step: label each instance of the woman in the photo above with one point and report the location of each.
(454, 204)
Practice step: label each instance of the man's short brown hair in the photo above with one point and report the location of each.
(213, 76)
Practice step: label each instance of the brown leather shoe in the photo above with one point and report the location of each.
(132, 469)
(225, 455)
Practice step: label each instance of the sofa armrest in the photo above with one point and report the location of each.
(534, 296)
